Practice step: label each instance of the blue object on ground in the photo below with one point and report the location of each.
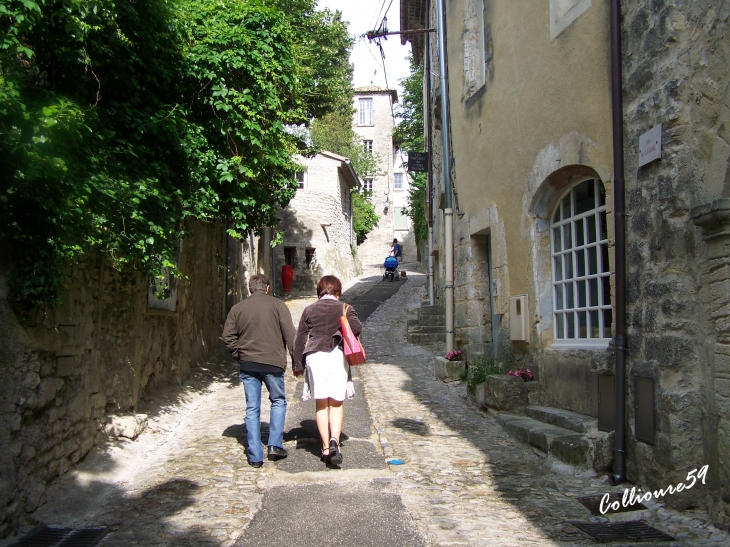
(395, 462)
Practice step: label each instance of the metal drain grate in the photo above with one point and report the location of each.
(636, 531)
(62, 537)
(593, 504)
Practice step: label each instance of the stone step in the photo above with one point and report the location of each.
(425, 311)
(563, 418)
(426, 330)
(427, 339)
(589, 450)
(433, 320)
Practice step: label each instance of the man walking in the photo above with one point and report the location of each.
(396, 250)
(258, 331)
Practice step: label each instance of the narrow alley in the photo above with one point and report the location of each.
(462, 481)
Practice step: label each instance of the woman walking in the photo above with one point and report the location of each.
(318, 346)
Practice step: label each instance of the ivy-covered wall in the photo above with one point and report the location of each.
(64, 370)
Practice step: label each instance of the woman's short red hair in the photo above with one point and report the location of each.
(329, 284)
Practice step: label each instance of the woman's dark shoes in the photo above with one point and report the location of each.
(335, 453)
(325, 457)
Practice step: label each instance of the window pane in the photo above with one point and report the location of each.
(559, 323)
(398, 181)
(567, 237)
(569, 301)
(592, 260)
(591, 222)
(570, 320)
(579, 233)
(607, 322)
(556, 240)
(556, 216)
(580, 259)
(581, 294)
(585, 200)
(595, 326)
(604, 226)
(606, 290)
(558, 261)
(604, 253)
(593, 288)
(568, 265)
(582, 324)
(559, 297)
(567, 209)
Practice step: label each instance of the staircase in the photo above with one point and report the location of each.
(570, 437)
(429, 329)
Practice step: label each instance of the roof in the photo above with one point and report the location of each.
(345, 165)
(375, 90)
(413, 17)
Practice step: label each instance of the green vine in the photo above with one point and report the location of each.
(119, 120)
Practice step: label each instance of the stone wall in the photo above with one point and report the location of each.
(676, 56)
(63, 370)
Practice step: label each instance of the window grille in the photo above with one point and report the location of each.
(368, 146)
(583, 315)
(398, 181)
(367, 185)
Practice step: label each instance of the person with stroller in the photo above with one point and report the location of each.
(396, 250)
(318, 353)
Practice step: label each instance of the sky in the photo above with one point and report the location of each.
(364, 15)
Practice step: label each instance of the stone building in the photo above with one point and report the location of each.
(317, 224)
(530, 129)
(373, 122)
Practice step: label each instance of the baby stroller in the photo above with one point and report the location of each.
(391, 269)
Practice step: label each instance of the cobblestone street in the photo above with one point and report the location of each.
(463, 481)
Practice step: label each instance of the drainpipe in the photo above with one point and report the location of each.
(429, 174)
(448, 211)
(619, 459)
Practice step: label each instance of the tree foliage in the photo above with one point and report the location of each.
(120, 119)
(409, 134)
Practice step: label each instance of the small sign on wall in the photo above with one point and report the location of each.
(650, 145)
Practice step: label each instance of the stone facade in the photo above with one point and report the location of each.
(676, 59)
(64, 370)
(538, 128)
(377, 128)
(317, 225)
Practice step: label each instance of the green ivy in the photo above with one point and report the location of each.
(119, 120)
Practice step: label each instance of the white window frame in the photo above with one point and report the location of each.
(397, 181)
(587, 291)
(367, 184)
(303, 182)
(367, 145)
(365, 111)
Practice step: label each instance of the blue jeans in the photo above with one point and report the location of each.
(252, 386)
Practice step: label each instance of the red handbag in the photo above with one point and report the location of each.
(354, 352)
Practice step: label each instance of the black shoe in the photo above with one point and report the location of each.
(254, 464)
(335, 454)
(277, 453)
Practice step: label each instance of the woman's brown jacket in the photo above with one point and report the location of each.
(319, 329)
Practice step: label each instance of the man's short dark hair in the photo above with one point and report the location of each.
(258, 282)
(329, 284)
(395, 240)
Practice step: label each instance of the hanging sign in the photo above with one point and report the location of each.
(418, 162)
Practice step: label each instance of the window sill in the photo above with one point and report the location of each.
(580, 344)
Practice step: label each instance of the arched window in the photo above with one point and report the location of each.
(581, 276)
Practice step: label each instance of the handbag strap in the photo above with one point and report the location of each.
(344, 309)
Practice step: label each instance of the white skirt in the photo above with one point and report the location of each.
(327, 374)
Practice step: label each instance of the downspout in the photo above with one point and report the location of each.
(429, 174)
(619, 460)
(448, 211)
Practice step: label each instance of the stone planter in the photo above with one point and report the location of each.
(504, 392)
(477, 393)
(446, 370)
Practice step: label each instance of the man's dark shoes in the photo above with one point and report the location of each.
(254, 464)
(277, 453)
